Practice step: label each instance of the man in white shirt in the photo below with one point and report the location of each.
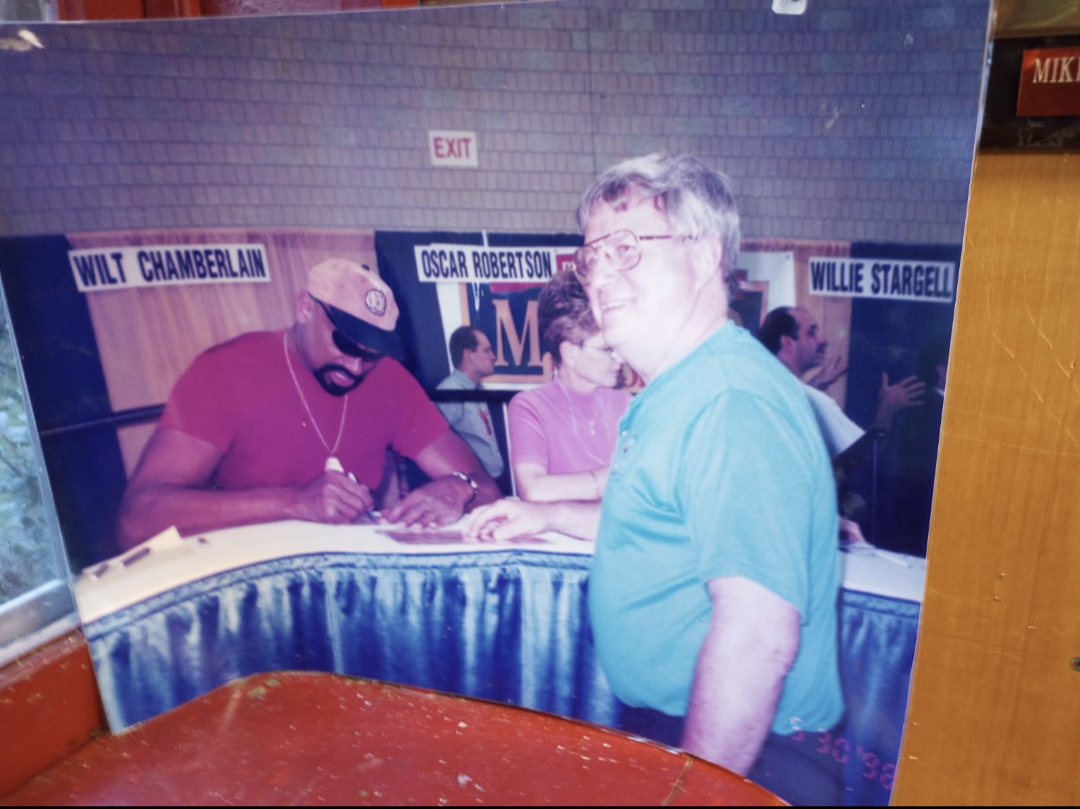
(792, 334)
(473, 359)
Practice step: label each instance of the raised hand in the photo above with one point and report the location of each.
(892, 399)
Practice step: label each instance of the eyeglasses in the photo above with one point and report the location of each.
(606, 349)
(343, 343)
(623, 248)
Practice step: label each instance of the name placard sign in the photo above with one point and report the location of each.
(132, 267)
(1049, 82)
(465, 264)
(883, 279)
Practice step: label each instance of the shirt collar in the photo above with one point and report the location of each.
(465, 380)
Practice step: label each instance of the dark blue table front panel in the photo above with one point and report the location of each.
(504, 626)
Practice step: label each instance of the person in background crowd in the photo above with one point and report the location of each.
(911, 457)
(793, 336)
(295, 424)
(713, 589)
(473, 359)
(562, 434)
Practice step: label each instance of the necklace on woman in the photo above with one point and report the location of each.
(573, 407)
(576, 414)
(332, 463)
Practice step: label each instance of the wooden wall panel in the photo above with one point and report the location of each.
(832, 314)
(995, 703)
(148, 337)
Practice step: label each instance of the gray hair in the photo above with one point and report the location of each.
(696, 200)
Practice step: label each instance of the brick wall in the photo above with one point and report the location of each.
(847, 123)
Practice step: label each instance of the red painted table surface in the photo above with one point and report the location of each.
(314, 738)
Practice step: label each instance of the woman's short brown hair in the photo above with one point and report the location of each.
(564, 312)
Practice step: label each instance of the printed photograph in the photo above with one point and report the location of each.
(582, 356)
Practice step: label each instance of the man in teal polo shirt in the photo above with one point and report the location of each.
(713, 594)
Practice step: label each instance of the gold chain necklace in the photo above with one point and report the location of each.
(331, 461)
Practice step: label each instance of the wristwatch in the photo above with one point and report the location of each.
(467, 479)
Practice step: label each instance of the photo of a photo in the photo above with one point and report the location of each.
(583, 356)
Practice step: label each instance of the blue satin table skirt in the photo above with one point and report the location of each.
(509, 626)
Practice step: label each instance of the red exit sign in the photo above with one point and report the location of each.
(1049, 83)
(453, 148)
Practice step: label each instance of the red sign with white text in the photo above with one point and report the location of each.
(1049, 82)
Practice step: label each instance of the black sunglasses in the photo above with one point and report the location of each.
(344, 344)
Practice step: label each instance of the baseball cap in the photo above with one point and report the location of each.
(359, 304)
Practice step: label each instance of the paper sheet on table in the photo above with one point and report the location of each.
(448, 537)
(168, 561)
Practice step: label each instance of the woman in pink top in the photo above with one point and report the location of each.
(562, 434)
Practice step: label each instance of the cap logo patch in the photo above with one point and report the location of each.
(376, 302)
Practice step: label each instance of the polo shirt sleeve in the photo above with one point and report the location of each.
(416, 421)
(746, 496)
(528, 441)
(201, 403)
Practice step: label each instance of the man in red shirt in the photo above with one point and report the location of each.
(295, 424)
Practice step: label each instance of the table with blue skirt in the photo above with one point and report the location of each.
(179, 617)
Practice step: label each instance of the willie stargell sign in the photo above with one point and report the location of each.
(883, 279)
